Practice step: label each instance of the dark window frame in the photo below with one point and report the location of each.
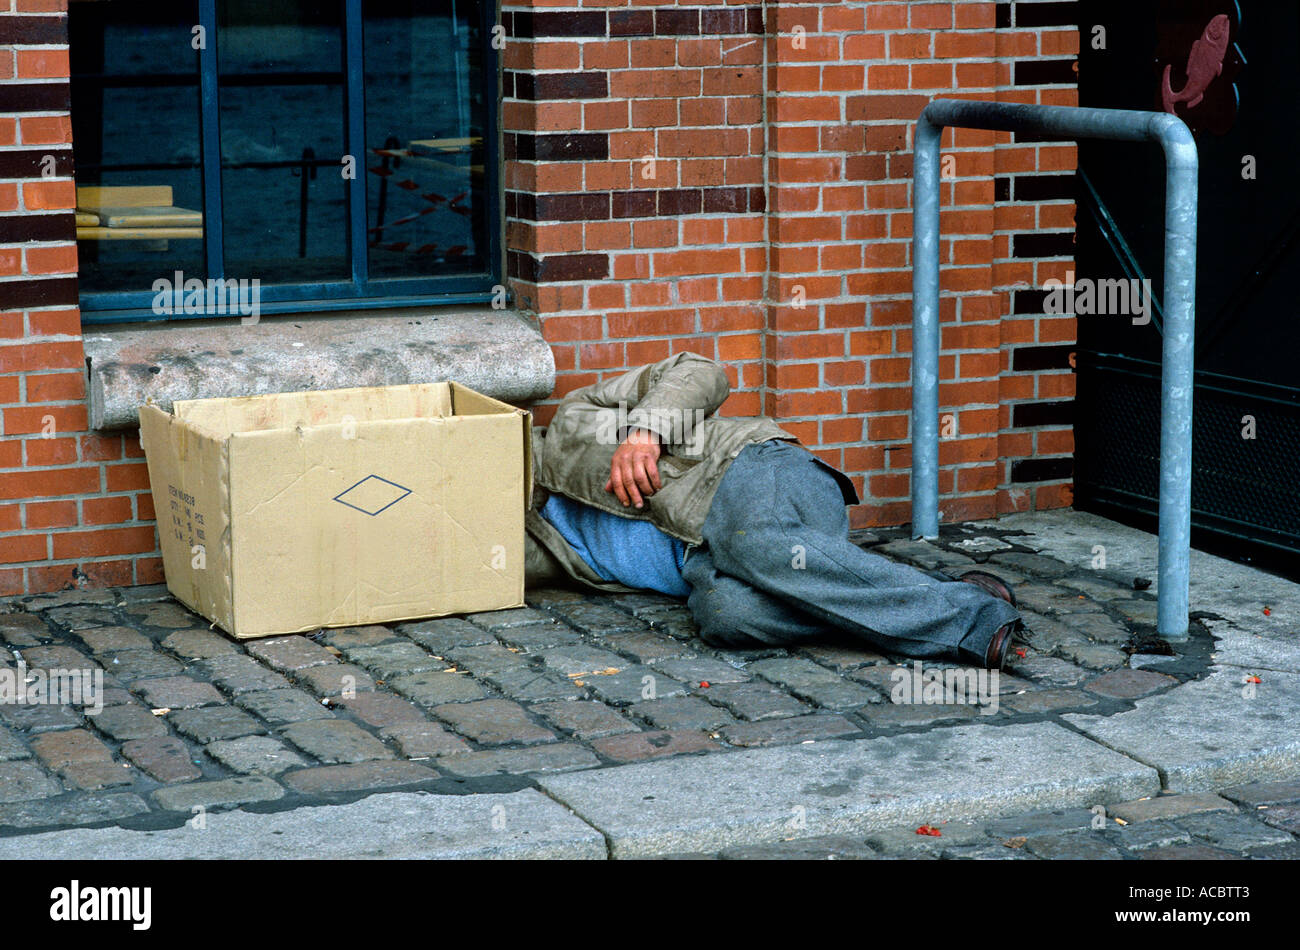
(361, 293)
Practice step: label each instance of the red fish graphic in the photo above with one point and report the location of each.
(1204, 64)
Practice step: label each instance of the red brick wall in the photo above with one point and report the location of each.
(74, 505)
(728, 178)
(809, 107)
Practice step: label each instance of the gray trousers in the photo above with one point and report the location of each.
(777, 567)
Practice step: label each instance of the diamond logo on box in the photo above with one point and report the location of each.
(372, 495)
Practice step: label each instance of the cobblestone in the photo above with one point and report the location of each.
(1048, 670)
(390, 660)
(595, 618)
(995, 852)
(58, 750)
(1073, 848)
(78, 618)
(519, 660)
(925, 555)
(637, 746)
(643, 646)
(533, 686)
(1170, 806)
(905, 842)
(547, 758)
(133, 665)
(1264, 793)
(241, 790)
(11, 747)
(199, 645)
(349, 638)
(439, 636)
(581, 661)
(20, 781)
(495, 620)
(1149, 834)
(168, 615)
(683, 712)
(755, 702)
(86, 808)
(289, 654)
(58, 658)
(380, 709)
(1286, 817)
(1129, 684)
(841, 658)
(211, 723)
(128, 722)
(278, 706)
(80, 759)
(334, 679)
(632, 685)
(423, 740)
(487, 660)
(702, 669)
(99, 640)
(36, 719)
(334, 741)
(1048, 700)
(1193, 852)
(814, 683)
(177, 692)
(1042, 823)
(902, 715)
(1032, 563)
(23, 630)
(164, 757)
(584, 719)
(493, 722)
(434, 689)
(261, 755)
(787, 731)
(1101, 628)
(536, 637)
(1051, 600)
(1094, 656)
(1233, 832)
(362, 776)
(241, 674)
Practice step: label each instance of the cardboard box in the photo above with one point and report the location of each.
(285, 513)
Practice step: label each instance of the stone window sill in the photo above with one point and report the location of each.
(499, 353)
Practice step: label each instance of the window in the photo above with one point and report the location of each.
(340, 152)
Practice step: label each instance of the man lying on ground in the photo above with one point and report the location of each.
(640, 486)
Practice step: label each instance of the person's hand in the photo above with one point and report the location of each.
(634, 474)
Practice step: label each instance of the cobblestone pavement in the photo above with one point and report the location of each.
(574, 681)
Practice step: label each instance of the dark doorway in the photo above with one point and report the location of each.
(1238, 94)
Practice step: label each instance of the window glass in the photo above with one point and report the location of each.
(424, 137)
(135, 135)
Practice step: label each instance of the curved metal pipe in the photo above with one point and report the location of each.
(1181, 171)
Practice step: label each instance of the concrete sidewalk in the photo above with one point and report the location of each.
(595, 726)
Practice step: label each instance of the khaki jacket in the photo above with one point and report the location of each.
(676, 399)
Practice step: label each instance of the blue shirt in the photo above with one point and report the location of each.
(633, 552)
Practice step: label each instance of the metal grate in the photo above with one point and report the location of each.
(1243, 488)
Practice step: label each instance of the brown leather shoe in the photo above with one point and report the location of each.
(991, 583)
(999, 647)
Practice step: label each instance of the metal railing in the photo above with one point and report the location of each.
(1181, 165)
